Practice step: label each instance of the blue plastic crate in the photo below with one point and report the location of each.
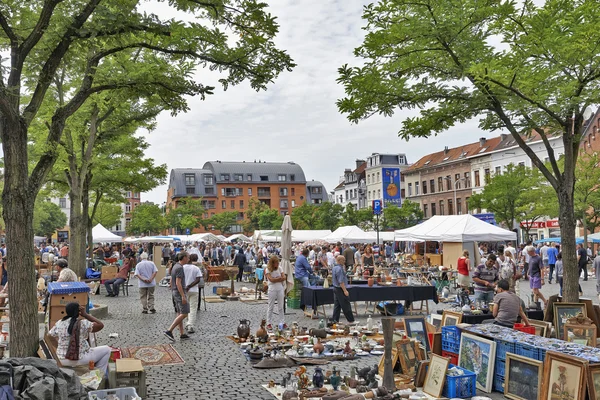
(499, 369)
(451, 334)
(503, 347)
(498, 384)
(527, 351)
(450, 346)
(463, 386)
(541, 354)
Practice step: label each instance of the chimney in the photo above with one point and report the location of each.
(446, 150)
(503, 136)
(359, 162)
(482, 141)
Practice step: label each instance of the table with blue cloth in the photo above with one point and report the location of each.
(315, 296)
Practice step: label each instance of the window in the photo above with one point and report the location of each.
(284, 192)
(62, 202)
(232, 192)
(293, 203)
(242, 204)
(440, 184)
(416, 188)
(264, 192)
(292, 177)
(128, 207)
(209, 190)
(190, 190)
(209, 204)
(368, 179)
(433, 209)
(522, 163)
(190, 180)
(232, 204)
(441, 207)
(467, 180)
(208, 179)
(127, 221)
(283, 204)
(425, 208)
(249, 191)
(293, 191)
(467, 205)
(424, 187)
(223, 204)
(238, 177)
(487, 176)
(410, 189)
(316, 190)
(128, 195)
(136, 195)
(281, 178)
(225, 177)
(450, 208)
(264, 178)
(222, 191)
(498, 170)
(240, 216)
(457, 179)
(378, 178)
(379, 193)
(432, 185)
(477, 182)
(459, 206)
(369, 195)
(448, 184)
(249, 177)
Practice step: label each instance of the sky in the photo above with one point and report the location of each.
(296, 119)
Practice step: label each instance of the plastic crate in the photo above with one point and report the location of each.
(127, 393)
(463, 386)
(451, 334)
(293, 303)
(452, 356)
(450, 346)
(500, 367)
(503, 347)
(498, 384)
(541, 354)
(527, 351)
(525, 329)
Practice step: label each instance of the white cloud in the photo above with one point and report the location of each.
(296, 119)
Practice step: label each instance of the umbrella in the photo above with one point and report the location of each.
(286, 252)
(315, 242)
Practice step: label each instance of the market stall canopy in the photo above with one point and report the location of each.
(239, 237)
(222, 238)
(204, 237)
(149, 239)
(383, 236)
(593, 238)
(455, 228)
(349, 234)
(304, 235)
(269, 235)
(102, 235)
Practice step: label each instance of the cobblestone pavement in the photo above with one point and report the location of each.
(214, 367)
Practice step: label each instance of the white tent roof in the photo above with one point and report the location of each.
(204, 237)
(349, 234)
(304, 235)
(149, 239)
(267, 235)
(239, 236)
(455, 228)
(102, 235)
(383, 236)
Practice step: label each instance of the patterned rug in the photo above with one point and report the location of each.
(150, 356)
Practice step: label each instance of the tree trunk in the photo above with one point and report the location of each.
(567, 232)
(86, 216)
(17, 201)
(78, 228)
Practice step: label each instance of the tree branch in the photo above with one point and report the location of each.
(14, 39)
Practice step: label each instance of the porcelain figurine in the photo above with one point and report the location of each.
(262, 333)
(335, 379)
(347, 349)
(302, 378)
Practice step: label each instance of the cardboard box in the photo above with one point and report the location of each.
(62, 300)
(109, 272)
(129, 365)
(223, 291)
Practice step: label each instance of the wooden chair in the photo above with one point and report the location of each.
(125, 286)
(213, 276)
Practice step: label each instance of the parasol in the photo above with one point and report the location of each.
(286, 252)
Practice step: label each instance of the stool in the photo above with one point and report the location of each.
(127, 372)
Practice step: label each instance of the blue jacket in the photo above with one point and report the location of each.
(302, 267)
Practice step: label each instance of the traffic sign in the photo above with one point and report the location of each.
(376, 207)
(187, 231)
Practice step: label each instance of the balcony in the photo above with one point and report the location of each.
(264, 193)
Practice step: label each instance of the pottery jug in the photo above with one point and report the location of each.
(318, 348)
(261, 333)
(370, 281)
(243, 329)
(318, 377)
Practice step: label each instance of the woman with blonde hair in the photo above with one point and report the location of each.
(464, 268)
(368, 259)
(276, 281)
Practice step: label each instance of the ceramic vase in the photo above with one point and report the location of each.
(318, 377)
(370, 281)
(243, 329)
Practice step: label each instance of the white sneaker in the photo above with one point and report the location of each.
(189, 329)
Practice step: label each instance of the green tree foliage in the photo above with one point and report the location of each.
(270, 219)
(146, 219)
(394, 217)
(47, 218)
(587, 195)
(252, 215)
(108, 45)
(328, 215)
(305, 217)
(444, 58)
(107, 214)
(187, 214)
(221, 222)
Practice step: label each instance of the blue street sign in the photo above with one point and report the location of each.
(376, 207)
(187, 231)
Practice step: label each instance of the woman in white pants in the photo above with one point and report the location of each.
(78, 351)
(276, 280)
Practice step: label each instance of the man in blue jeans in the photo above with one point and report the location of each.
(112, 285)
(485, 278)
(302, 269)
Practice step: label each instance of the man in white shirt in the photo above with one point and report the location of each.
(194, 250)
(265, 253)
(193, 276)
(512, 250)
(146, 272)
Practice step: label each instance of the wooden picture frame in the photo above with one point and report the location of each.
(593, 381)
(436, 321)
(416, 329)
(522, 377)
(436, 376)
(591, 314)
(451, 318)
(382, 361)
(421, 373)
(565, 376)
(409, 355)
(564, 311)
(478, 355)
(581, 334)
(542, 328)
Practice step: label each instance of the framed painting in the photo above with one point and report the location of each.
(542, 328)
(382, 361)
(580, 334)
(451, 318)
(409, 355)
(421, 373)
(593, 381)
(436, 320)
(564, 311)
(565, 377)
(522, 377)
(436, 376)
(478, 355)
(416, 329)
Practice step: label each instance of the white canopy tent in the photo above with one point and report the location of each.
(383, 236)
(268, 235)
(304, 235)
(102, 235)
(349, 234)
(455, 228)
(203, 237)
(239, 237)
(149, 239)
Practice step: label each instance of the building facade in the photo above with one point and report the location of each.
(229, 186)
(349, 190)
(385, 178)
